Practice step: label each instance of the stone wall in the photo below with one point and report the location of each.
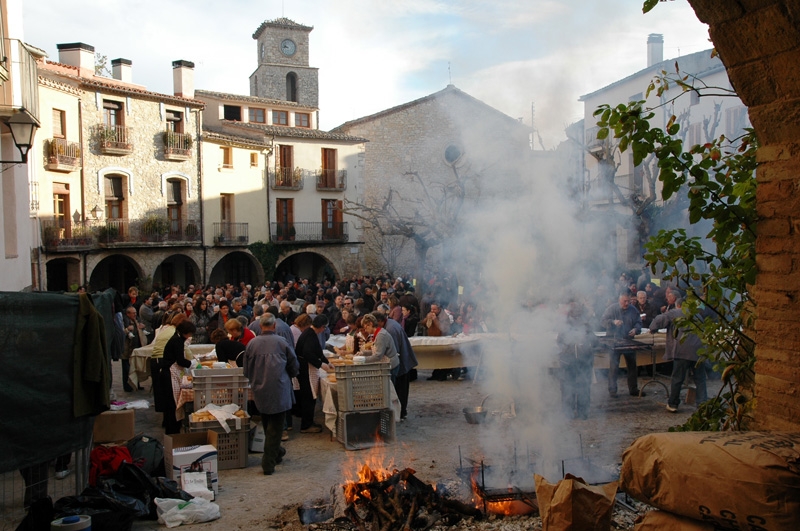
(759, 42)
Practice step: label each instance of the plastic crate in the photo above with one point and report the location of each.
(364, 429)
(231, 447)
(220, 387)
(363, 387)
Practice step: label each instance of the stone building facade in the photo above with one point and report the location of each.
(431, 136)
(283, 73)
(117, 178)
(759, 43)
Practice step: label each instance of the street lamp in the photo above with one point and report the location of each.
(97, 212)
(23, 126)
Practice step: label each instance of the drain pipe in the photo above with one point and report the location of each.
(83, 188)
(200, 195)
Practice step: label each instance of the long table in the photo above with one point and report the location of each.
(140, 360)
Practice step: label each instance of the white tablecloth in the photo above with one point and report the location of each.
(140, 360)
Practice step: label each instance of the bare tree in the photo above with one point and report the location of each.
(426, 212)
(388, 247)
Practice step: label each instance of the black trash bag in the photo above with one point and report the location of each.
(109, 510)
(133, 481)
(168, 488)
(40, 515)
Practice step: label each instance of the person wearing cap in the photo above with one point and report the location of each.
(221, 317)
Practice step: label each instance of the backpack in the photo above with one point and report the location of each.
(148, 454)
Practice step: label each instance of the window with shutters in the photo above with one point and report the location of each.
(59, 124)
(113, 114)
(226, 152)
(253, 160)
(175, 205)
(61, 209)
(114, 197)
(175, 123)
(331, 219)
(735, 121)
(328, 175)
(284, 212)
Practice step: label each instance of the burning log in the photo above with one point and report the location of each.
(399, 502)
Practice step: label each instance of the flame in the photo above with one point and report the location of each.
(375, 466)
(506, 508)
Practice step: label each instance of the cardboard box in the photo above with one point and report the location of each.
(114, 426)
(183, 450)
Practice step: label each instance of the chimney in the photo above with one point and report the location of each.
(79, 55)
(183, 78)
(655, 49)
(121, 69)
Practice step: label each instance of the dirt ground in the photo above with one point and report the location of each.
(435, 440)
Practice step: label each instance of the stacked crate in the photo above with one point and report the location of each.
(364, 416)
(220, 387)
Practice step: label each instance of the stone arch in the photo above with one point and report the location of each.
(306, 263)
(759, 43)
(178, 269)
(235, 267)
(109, 170)
(176, 175)
(118, 271)
(62, 273)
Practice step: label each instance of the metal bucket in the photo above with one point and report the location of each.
(476, 415)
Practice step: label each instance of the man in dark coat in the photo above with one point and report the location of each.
(310, 356)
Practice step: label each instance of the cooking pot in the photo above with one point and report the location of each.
(474, 415)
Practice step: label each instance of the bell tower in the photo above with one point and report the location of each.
(283, 72)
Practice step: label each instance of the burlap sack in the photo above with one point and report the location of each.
(736, 480)
(572, 505)
(664, 521)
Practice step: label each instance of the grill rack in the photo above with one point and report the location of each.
(497, 495)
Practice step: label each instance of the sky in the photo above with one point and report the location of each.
(513, 55)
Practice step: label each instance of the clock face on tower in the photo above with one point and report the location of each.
(288, 47)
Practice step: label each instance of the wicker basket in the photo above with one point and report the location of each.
(363, 387)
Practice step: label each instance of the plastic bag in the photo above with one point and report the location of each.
(172, 512)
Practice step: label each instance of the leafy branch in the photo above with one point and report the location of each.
(716, 269)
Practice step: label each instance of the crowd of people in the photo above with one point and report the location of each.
(278, 333)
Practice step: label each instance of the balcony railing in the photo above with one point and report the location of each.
(286, 179)
(231, 234)
(148, 232)
(66, 236)
(62, 155)
(309, 232)
(177, 146)
(115, 139)
(332, 180)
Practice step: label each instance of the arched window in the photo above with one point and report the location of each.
(291, 87)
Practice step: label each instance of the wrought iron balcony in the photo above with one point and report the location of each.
(231, 234)
(65, 236)
(114, 139)
(309, 232)
(154, 230)
(286, 179)
(177, 146)
(332, 180)
(62, 155)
